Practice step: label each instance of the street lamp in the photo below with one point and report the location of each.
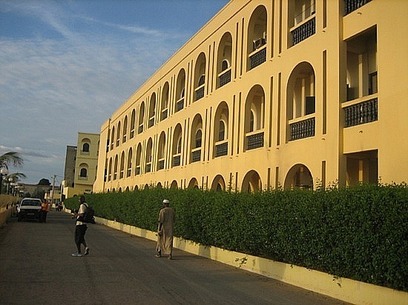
(3, 172)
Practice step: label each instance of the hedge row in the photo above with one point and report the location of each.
(359, 233)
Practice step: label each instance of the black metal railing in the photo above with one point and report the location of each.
(160, 165)
(151, 122)
(255, 140)
(302, 129)
(221, 149)
(257, 58)
(199, 93)
(361, 113)
(304, 31)
(180, 104)
(225, 77)
(164, 114)
(352, 5)
(196, 155)
(176, 160)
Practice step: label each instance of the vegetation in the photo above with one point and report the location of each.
(359, 233)
(8, 200)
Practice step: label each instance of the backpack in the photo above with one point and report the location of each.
(89, 215)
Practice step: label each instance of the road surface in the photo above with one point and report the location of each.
(36, 267)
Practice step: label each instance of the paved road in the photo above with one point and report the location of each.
(36, 267)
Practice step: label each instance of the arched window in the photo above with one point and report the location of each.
(224, 59)
(254, 118)
(257, 37)
(200, 77)
(118, 135)
(132, 124)
(125, 123)
(85, 147)
(83, 173)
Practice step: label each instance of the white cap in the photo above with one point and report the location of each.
(166, 201)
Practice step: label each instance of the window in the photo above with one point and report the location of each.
(83, 173)
(85, 147)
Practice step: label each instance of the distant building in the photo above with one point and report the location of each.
(69, 171)
(81, 165)
(270, 94)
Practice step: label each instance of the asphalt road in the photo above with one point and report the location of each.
(36, 267)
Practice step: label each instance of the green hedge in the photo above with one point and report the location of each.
(359, 233)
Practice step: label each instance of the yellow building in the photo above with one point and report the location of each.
(268, 94)
(81, 165)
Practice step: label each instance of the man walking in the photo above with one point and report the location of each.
(165, 230)
(80, 228)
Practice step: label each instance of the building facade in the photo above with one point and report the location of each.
(81, 165)
(270, 94)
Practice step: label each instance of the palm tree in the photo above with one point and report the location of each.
(11, 157)
(7, 159)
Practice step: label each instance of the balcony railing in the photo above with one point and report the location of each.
(302, 129)
(129, 172)
(176, 160)
(221, 149)
(180, 104)
(255, 140)
(199, 92)
(257, 58)
(303, 31)
(140, 129)
(151, 122)
(352, 5)
(225, 77)
(160, 165)
(164, 114)
(196, 155)
(361, 113)
(148, 167)
(137, 170)
(132, 133)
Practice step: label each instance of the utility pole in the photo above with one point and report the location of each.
(52, 190)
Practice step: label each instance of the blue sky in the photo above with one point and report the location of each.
(65, 66)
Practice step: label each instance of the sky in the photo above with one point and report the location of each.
(67, 65)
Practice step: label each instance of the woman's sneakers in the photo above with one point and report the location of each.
(86, 251)
(77, 255)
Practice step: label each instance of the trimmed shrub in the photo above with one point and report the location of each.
(359, 233)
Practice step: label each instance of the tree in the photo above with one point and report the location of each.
(44, 181)
(9, 158)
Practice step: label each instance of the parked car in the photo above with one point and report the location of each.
(29, 208)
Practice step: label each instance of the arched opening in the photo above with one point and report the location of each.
(299, 176)
(161, 158)
(224, 60)
(152, 110)
(193, 184)
(180, 90)
(301, 102)
(200, 77)
(164, 111)
(252, 182)
(254, 118)
(196, 139)
(125, 128)
(221, 122)
(177, 146)
(173, 184)
(149, 151)
(218, 184)
(138, 159)
(257, 33)
(141, 118)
